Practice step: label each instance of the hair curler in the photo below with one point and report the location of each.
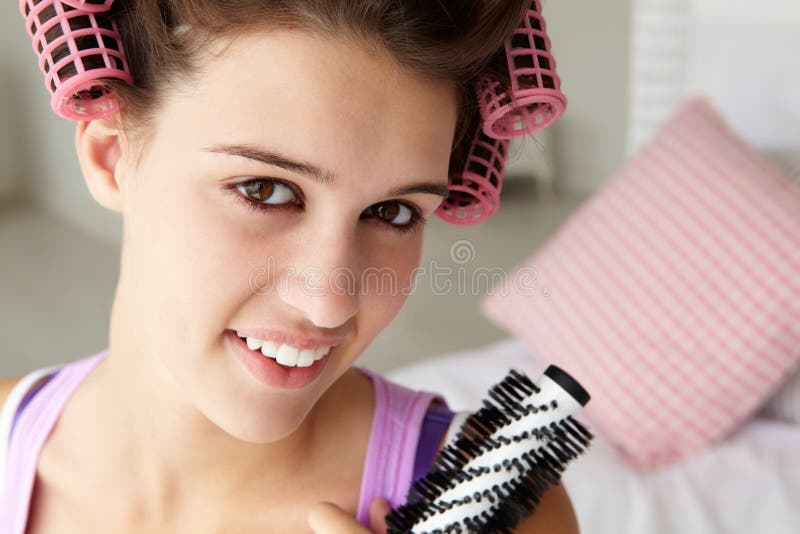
(84, 47)
(474, 194)
(534, 101)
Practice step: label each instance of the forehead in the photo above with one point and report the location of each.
(325, 100)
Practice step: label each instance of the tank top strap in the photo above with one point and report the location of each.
(391, 453)
(34, 421)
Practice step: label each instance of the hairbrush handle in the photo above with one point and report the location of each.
(559, 396)
(504, 457)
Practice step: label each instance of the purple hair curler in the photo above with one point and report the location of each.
(72, 75)
(535, 101)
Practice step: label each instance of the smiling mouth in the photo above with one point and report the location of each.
(285, 354)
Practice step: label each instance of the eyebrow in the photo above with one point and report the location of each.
(276, 159)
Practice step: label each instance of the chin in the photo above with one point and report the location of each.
(263, 426)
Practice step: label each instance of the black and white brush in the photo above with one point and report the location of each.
(503, 459)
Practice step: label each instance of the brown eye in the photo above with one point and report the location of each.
(393, 212)
(259, 190)
(387, 212)
(266, 191)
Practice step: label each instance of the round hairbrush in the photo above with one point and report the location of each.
(503, 459)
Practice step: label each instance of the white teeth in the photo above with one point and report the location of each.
(306, 357)
(285, 354)
(253, 343)
(269, 349)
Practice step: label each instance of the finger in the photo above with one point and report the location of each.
(378, 511)
(327, 518)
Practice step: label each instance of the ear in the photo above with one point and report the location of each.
(99, 146)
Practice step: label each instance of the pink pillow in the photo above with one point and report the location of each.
(673, 294)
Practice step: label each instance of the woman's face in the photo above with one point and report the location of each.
(202, 259)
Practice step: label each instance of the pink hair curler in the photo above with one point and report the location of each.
(78, 93)
(474, 194)
(535, 102)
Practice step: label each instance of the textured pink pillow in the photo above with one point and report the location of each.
(673, 294)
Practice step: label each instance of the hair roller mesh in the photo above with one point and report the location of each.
(474, 194)
(535, 99)
(84, 47)
(533, 102)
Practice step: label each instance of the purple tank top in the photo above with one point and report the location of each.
(403, 442)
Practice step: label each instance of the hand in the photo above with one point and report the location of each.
(327, 518)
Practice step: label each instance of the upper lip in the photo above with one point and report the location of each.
(295, 338)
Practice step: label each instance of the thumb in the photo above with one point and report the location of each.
(378, 511)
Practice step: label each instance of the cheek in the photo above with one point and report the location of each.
(195, 266)
(388, 282)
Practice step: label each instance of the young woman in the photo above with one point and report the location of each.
(266, 156)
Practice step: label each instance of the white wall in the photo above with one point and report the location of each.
(10, 146)
(9, 172)
(590, 41)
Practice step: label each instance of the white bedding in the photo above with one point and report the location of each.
(748, 484)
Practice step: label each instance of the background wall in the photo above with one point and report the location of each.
(590, 44)
(10, 145)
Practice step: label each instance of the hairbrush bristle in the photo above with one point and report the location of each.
(550, 447)
(501, 461)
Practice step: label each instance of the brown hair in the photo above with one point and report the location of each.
(453, 40)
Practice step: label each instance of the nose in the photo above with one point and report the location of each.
(322, 280)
